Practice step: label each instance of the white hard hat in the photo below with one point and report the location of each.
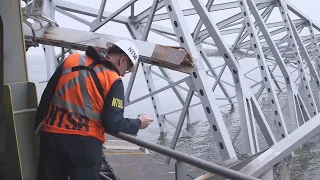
(130, 49)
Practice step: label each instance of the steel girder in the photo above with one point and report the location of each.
(215, 119)
(247, 104)
(314, 44)
(48, 50)
(293, 94)
(275, 47)
(292, 40)
(265, 72)
(282, 149)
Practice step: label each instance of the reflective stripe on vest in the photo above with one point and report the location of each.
(87, 109)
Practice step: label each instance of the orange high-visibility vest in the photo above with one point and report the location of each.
(79, 98)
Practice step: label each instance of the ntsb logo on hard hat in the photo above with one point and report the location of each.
(133, 53)
(130, 49)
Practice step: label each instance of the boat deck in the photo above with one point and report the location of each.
(128, 161)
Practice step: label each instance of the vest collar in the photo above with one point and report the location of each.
(95, 55)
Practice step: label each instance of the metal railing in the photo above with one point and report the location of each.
(184, 158)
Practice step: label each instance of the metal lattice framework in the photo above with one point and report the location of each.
(283, 58)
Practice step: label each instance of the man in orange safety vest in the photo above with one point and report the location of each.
(82, 101)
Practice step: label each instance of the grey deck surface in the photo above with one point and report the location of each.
(128, 162)
(139, 167)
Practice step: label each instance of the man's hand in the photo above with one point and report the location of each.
(145, 121)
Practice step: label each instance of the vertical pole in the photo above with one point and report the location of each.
(211, 109)
(291, 89)
(154, 99)
(181, 120)
(265, 15)
(51, 61)
(292, 41)
(265, 73)
(244, 96)
(181, 173)
(315, 42)
(101, 10)
(130, 84)
(200, 23)
(146, 71)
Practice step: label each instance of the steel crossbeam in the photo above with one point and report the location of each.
(215, 119)
(223, 141)
(314, 43)
(282, 149)
(265, 59)
(248, 107)
(200, 23)
(293, 39)
(93, 13)
(265, 73)
(147, 74)
(218, 81)
(85, 10)
(98, 25)
(80, 40)
(297, 108)
(217, 7)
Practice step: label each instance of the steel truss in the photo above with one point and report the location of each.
(287, 60)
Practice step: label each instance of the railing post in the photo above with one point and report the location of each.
(181, 173)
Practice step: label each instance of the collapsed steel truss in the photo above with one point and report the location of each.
(288, 61)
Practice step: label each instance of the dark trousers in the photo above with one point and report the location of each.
(74, 156)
